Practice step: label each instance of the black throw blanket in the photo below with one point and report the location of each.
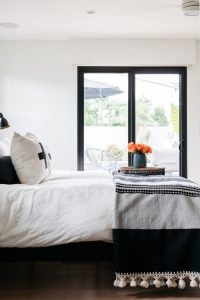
(156, 231)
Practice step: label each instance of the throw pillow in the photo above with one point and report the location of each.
(44, 147)
(4, 147)
(30, 158)
(7, 171)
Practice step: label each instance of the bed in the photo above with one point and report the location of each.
(151, 222)
(69, 214)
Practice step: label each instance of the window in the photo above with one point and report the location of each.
(120, 104)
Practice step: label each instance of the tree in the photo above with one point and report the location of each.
(143, 109)
(105, 112)
(175, 117)
(109, 112)
(159, 116)
(91, 113)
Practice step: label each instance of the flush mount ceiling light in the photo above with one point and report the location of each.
(9, 25)
(190, 7)
(91, 12)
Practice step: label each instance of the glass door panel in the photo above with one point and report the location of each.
(105, 120)
(157, 118)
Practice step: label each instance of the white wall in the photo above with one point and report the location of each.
(193, 131)
(38, 94)
(38, 86)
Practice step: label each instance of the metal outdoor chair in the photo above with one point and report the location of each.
(100, 159)
(168, 158)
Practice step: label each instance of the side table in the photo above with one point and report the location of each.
(142, 171)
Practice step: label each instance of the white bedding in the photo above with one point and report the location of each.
(68, 207)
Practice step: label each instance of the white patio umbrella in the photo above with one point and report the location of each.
(95, 89)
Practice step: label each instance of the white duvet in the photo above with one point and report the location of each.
(68, 207)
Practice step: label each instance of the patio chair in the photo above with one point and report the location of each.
(168, 158)
(100, 159)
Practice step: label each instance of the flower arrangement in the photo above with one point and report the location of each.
(139, 148)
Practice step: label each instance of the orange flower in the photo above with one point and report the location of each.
(133, 148)
(139, 147)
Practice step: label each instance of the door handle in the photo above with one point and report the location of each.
(181, 145)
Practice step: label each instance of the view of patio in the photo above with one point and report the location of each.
(157, 117)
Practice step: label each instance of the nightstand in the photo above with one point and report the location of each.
(142, 171)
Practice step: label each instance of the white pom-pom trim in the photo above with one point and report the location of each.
(181, 284)
(116, 283)
(169, 283)
(122, 283)
(133, 283)
(163, 282)
(193, 283)
(144, 284)
(157, 283)
(157, 279)
(151, 282)
(174, 284)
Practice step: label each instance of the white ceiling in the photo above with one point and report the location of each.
(65, 19)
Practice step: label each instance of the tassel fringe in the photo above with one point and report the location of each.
(145, 280)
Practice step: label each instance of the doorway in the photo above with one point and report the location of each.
(141, 104)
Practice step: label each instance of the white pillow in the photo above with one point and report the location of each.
(46, 150)
(5, 147)
(30, 158)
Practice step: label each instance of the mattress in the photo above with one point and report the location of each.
(70, 206)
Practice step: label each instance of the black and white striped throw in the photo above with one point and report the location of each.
(156, 231)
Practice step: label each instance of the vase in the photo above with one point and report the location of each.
(139, 160)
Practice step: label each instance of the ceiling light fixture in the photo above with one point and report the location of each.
(91, 12)
(9, 25)
(190, 7)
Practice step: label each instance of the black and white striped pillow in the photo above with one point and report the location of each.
(31, 159)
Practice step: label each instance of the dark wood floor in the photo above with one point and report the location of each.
(87, 281)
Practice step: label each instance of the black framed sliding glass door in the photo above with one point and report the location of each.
(141, 104)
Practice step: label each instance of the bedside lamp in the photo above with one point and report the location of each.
(3, 122)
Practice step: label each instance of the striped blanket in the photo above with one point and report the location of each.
(156, 231)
